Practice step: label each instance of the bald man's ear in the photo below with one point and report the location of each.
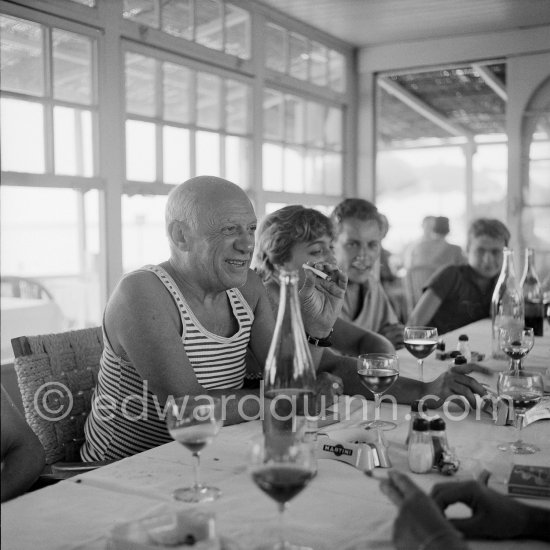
(177, 231)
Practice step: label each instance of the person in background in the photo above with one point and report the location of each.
(421, 521)
(23, 456)
(295, 235)
(457, 295)
(434, 251)
(360, 228)
(184, 327)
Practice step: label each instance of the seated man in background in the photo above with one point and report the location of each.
(22, 454)
(421, 521)
(457, 295)
(360, 228)
(295, 235)
(184, 327)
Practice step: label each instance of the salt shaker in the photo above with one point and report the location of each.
(463, 347)
(421, 451)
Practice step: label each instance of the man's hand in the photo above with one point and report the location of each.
(420, 523)
(456, 382)
(494, 516)
(322, 299)
(394, 333)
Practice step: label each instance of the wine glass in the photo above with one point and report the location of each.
(282, 471)
(523, 390)
(420, 342)
(194, 421)
(516, 343)
(377, 372)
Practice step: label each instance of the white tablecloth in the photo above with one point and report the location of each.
(339, 507)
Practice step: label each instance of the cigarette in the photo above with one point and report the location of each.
(317, 272)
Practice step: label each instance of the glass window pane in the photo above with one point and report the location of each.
(274, 48)
(272, 167)
(177, 92)
(490, 167)
(333, 129)
(313, 172)
(315, 132)
(293, 181)
(294, 119)
(298, 56)
(237, 31)
(237, 161)
(73, 142)
(208, 154)
(21, 56)
(538, 190)
(176, 155)
(333, 173)
(177, 18)
(237, 107)
(140, 85)
(208, 23)
(22, 139)
(58, 251)
(318, 64)
(273, 114)
(72, 67)
(208, 100)
(142, 11)
(140, 151)
(144, 238)
(337, 71)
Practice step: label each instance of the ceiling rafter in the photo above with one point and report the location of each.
(491, 80)
(423, 109)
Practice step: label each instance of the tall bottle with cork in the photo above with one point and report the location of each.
(507, 308)
(289, 377)
(532, 294)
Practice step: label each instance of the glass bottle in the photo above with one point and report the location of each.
(289, 404)
(507, 302)
(532, 294)
(421, 452)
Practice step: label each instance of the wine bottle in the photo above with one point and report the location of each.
(532, 294)
(507, 308)
(290, 412)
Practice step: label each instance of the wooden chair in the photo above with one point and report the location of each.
(22, 287)
(57, 374)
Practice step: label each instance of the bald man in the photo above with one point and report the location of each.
(183, 327)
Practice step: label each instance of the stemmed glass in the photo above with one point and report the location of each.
(194, 421)
(516, 343)
(378, 372)
(420, 342)
(523, 390)
(282, 471)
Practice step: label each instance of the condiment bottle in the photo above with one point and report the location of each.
(421, 451)
(532, 294)
(507, 302)
(439, 438)
(418, 408)
(463, 347)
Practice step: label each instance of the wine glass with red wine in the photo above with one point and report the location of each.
(420, 342)
(282, 472)
(516, 343)
(194, 421)
(522, 390)
(377, 372)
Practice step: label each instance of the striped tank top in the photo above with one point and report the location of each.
(126, 418)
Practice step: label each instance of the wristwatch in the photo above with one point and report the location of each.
(320, 342)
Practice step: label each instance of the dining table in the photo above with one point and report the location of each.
(341, 508)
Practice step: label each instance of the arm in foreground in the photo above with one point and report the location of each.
(425, 309)
(420, 524)
(349, 339)
(494, 516)
(22, 453)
